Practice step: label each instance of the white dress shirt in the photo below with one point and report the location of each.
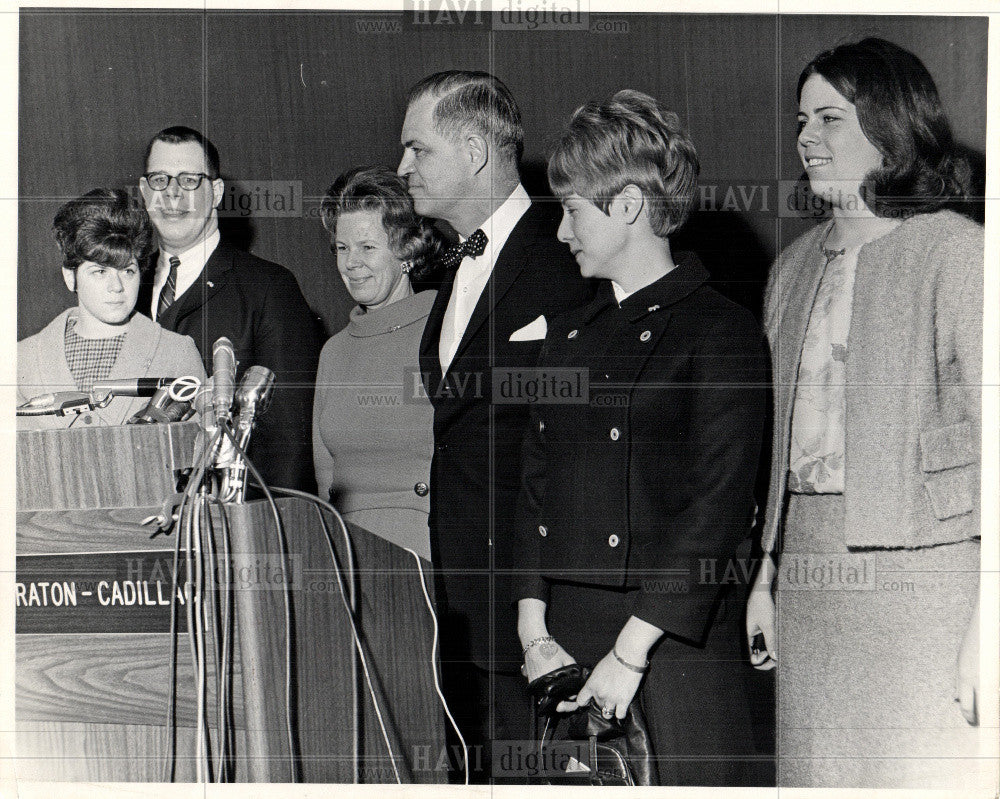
(620, 293)
(474, 273)
(193, 261)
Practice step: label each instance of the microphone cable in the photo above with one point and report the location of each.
(356, 638)
(188, 496)
(283, 550)
(351, 606)
(195, 524)
(190, 527)
(434, 643)
(225, 771)
(196, 635)
(215, 603)
(434, 671)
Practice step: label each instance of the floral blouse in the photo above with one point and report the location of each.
(816, 457)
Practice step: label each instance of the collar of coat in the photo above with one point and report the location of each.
(678, 283)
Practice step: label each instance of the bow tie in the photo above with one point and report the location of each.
(473, 247)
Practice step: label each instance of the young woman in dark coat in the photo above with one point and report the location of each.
(637, 490)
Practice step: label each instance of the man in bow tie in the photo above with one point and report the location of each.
(206, 289)
(462, 140)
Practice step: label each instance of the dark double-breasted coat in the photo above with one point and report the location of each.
(645, 483)
(258, 305)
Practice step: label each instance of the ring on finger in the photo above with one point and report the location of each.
(607, 712)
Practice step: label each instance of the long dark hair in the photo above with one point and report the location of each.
(901, 115)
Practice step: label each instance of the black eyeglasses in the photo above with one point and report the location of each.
(189, 181)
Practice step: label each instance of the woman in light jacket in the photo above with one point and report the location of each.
(875, 325)
(105, 238)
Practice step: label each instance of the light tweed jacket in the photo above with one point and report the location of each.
(914, 380)
(148, 351)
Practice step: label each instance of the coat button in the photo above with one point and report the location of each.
(420, 489)
(645, 335)
(543, 530)
(571, 334)
(88, 419)
(613, 540)
(615, 434)
(441, 447)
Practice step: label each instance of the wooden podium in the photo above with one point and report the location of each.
(93, 614)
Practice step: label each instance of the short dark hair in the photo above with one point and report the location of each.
(178, 134)
(107, 226)
(375, 188)
(476, 101)
(628, 138)
(900, 113)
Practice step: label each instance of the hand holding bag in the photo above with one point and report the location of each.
(584, 747)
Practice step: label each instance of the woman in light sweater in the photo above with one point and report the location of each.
(372, 421)
(105, 238)
(875, 325)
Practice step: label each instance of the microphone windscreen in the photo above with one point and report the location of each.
(256, 389)
(152, 412)
(224, 377)
(202, 402)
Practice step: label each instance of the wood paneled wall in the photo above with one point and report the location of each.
(302, 96)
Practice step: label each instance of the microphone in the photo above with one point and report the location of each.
(253, 398)
(202, 403)
(60, 403)
(153, 412)
(162, 409)
(223, 453)
(131, 386)
(223, 378)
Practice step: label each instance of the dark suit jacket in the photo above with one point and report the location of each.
(648, 484)
(476, 466)
(259, 306)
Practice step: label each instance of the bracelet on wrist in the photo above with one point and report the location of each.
(631, 666)
(536, 641)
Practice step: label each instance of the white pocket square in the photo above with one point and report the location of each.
(533, 331)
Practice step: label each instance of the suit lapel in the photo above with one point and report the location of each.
(209, 282)
(791, 328)
(430, 360)
(134, 360)
(509, 266)
(55, 341)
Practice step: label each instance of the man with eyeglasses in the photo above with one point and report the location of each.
(205, 288)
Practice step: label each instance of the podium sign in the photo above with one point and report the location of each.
(93, 648)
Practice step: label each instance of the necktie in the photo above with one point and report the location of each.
(474, 246)
(167, 292)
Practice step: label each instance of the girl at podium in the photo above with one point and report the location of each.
(105, 238)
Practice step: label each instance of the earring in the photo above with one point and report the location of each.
(407, 266)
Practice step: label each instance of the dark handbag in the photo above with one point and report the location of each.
(583, 747)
